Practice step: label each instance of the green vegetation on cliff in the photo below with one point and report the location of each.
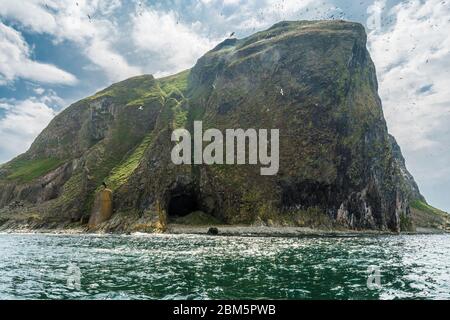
(169, 86)
(23, 170)
(426, 216)
(120, 174)
(177, 82)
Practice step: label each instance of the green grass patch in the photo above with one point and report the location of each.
(422, 206)
(149, 98)
(425, 216)
(28, 170)
(176, 82)
(139, 90)
(130, 90)
(178, 113)
(406, 223)
(121, 173)
(180, 118)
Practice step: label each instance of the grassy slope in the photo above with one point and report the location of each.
(120, 174)
(24, 171)
(426, 216)
(174, 82)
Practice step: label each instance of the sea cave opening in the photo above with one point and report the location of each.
(181, 205)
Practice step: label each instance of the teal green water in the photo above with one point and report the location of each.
(200, 267)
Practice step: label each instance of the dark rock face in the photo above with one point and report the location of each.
(314, 81)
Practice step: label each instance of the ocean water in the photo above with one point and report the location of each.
(37, 266)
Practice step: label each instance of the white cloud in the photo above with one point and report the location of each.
(65, 19)
(231, 2)
(113, 64)
(89, 24)
(413, 62)
(252, 15)
(30, 14)
(39, 90)
(162, 34)
(15, 61)
(375, 11)
(21, 123)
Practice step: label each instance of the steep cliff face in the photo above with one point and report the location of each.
(409, 184)
(422, 214)
(314, 81)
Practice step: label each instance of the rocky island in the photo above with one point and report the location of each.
(314, 81)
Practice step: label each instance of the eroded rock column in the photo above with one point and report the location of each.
(103, 208)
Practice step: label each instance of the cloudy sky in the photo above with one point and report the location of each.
(54, 52)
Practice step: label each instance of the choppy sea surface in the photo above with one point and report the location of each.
(38, 266)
